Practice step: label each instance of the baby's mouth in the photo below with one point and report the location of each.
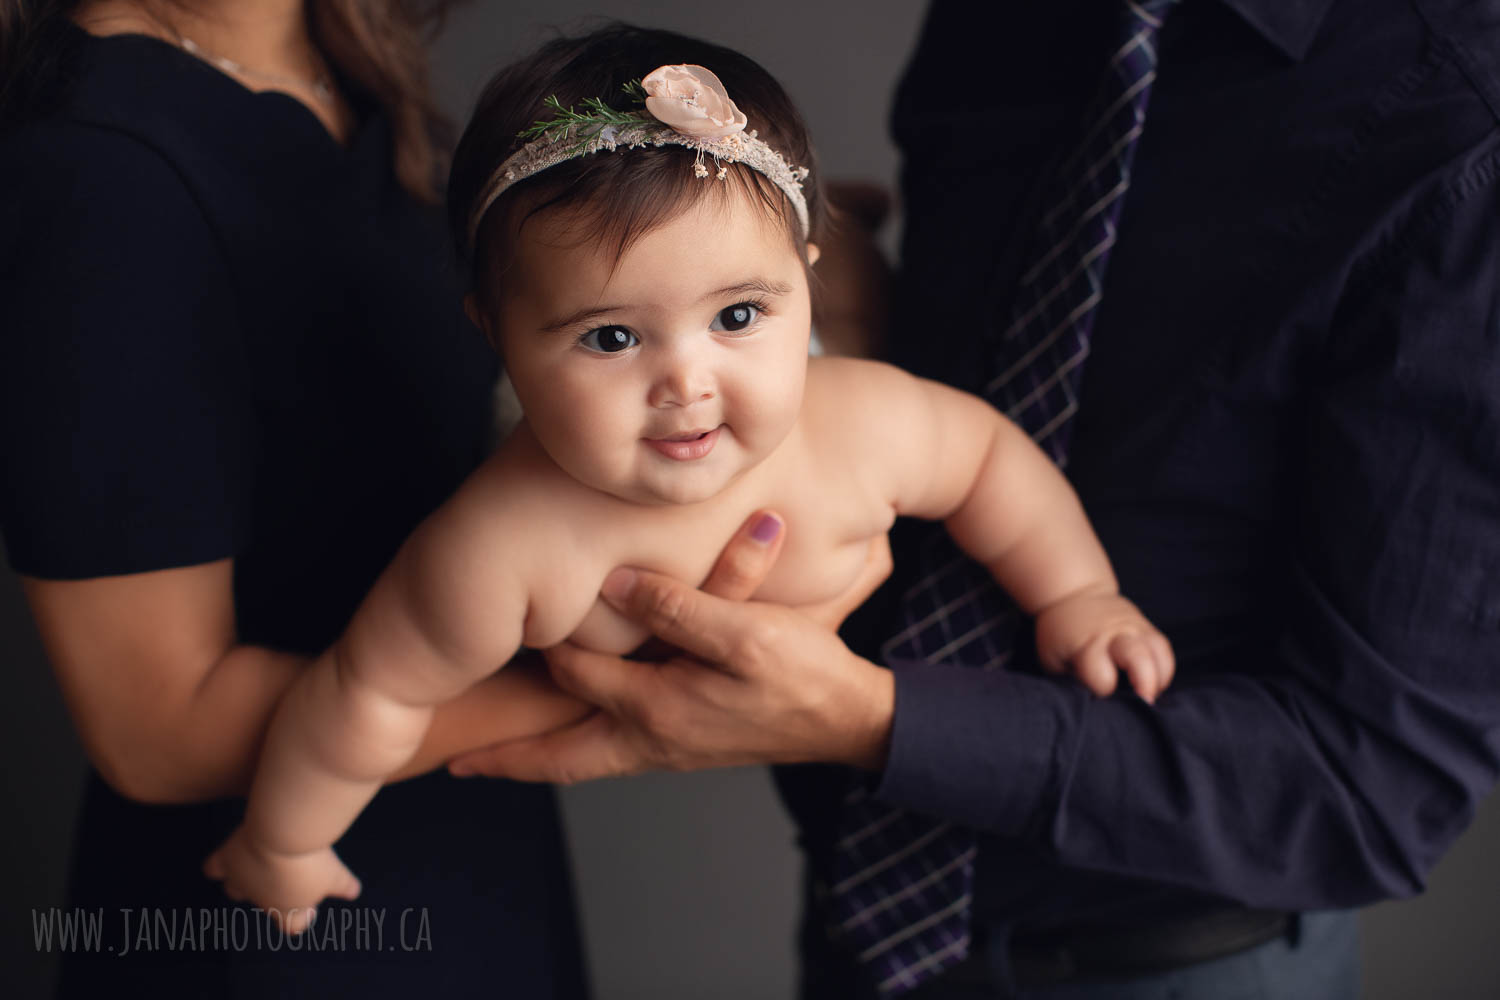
(686, 446)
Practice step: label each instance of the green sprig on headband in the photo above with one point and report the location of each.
(596, 115)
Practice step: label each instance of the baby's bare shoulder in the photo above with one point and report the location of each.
(857, 374)
(851, 402)
(851, 412)
(518, 533)
(518, 513)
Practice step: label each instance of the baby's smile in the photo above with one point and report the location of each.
(687, 446)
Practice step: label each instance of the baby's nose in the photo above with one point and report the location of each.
(682, 384)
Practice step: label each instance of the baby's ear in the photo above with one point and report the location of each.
(478, 317)
(813, 253)
(471, 310)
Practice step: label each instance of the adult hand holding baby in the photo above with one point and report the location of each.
(755, 683)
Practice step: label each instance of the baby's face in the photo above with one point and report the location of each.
(666, 377)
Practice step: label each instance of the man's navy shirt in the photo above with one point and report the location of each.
(1288, 441)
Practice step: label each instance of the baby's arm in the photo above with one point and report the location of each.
(447, 612)
(951, 456)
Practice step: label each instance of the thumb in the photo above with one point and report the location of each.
(676, 613)
(747, 559)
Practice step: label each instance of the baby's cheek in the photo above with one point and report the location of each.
(771, 415)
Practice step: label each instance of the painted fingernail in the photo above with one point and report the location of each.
(766, 529)
(618, 585)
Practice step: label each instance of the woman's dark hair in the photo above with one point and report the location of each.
(381, 45)
(623, 196)
(33, 39)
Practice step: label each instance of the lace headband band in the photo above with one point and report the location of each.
(684, 106)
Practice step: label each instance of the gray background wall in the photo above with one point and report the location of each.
(687, 882)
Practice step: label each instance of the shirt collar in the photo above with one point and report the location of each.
(1290, 25)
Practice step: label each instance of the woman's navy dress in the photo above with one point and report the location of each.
(224, 334)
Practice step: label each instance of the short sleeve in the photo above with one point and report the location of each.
(126, 434)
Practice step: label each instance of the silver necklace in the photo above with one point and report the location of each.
(320, 86)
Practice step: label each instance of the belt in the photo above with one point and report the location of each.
(1044, 958)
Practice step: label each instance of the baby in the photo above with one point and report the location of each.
(641, 230)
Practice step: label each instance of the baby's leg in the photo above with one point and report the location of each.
(356, 715)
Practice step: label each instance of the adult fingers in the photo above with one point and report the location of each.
(877, 567)
(592, 748)
(689, 619)
(747, 558)
(598, 678)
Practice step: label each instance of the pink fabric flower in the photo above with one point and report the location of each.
(691, 100)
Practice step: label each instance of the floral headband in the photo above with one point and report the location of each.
(684, 106)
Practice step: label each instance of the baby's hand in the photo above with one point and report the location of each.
(1095, 636)
(288, 886)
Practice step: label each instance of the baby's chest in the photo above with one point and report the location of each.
(820, 561)
(826, 545)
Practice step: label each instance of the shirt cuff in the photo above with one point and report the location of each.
(981, 748)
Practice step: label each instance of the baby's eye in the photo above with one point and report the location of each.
(609, 339)
(736, 318)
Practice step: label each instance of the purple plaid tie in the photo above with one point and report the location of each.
(901, 882)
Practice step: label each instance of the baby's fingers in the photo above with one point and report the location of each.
(1133, 654)
(1096, 669)
(1166, 662)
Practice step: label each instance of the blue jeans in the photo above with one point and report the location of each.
(1318, 961)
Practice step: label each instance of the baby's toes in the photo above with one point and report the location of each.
(349, 889)
(298, 919)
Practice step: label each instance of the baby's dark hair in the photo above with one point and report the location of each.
(623, 195)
